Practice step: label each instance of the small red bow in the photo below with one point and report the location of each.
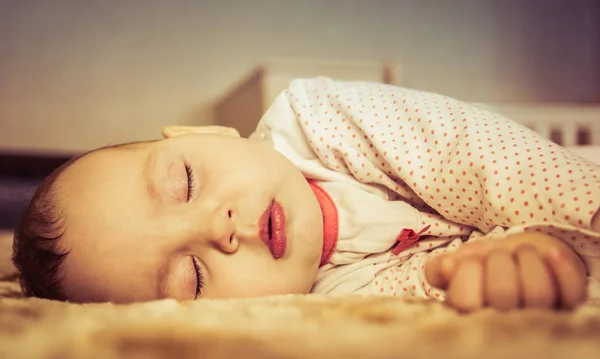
(407, 238)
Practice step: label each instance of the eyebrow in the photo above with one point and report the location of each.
(162, 274)
(148, 173)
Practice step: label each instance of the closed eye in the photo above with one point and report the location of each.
(190, 181)
(199, 278)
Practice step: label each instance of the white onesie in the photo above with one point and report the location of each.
(395, 160)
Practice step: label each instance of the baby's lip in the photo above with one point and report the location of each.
(272, 229)
(278, 232)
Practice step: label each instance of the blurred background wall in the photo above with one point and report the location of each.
(75, 75)
(82, 74)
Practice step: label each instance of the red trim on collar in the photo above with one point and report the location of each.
(330, 222)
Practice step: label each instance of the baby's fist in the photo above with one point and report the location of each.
(528, 270)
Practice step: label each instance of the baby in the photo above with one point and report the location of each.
(344, 188)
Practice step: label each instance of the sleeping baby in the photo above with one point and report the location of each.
(343, 189)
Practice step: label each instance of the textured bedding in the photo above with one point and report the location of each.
(285, 327)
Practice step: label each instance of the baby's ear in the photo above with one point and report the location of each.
(174, 131)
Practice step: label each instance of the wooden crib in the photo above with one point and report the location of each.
(567, 124)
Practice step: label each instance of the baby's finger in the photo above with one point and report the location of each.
(478, 249)
(501, 286)
(465, 291)
(537, 283)
(439, 270)
(174, 131)
(570, 276)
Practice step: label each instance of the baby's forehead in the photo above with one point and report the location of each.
(86, 164)
(104, 170)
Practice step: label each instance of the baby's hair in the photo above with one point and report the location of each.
(36, 251)
(37, 254)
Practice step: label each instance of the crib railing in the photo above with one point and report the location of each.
(565, 124)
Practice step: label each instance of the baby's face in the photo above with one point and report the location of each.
(145, 221)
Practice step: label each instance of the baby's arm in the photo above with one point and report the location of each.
(521, 270)
(470, 165)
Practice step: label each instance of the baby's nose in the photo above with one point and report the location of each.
(228, 244)
(223, 231)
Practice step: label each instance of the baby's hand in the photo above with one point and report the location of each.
(520, 271)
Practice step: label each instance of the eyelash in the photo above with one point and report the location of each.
(190, 180)
(199, 277)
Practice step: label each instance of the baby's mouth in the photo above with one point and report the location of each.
(272, 229)
(265, 227)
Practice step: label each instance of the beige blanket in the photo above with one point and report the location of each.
(284, 327)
